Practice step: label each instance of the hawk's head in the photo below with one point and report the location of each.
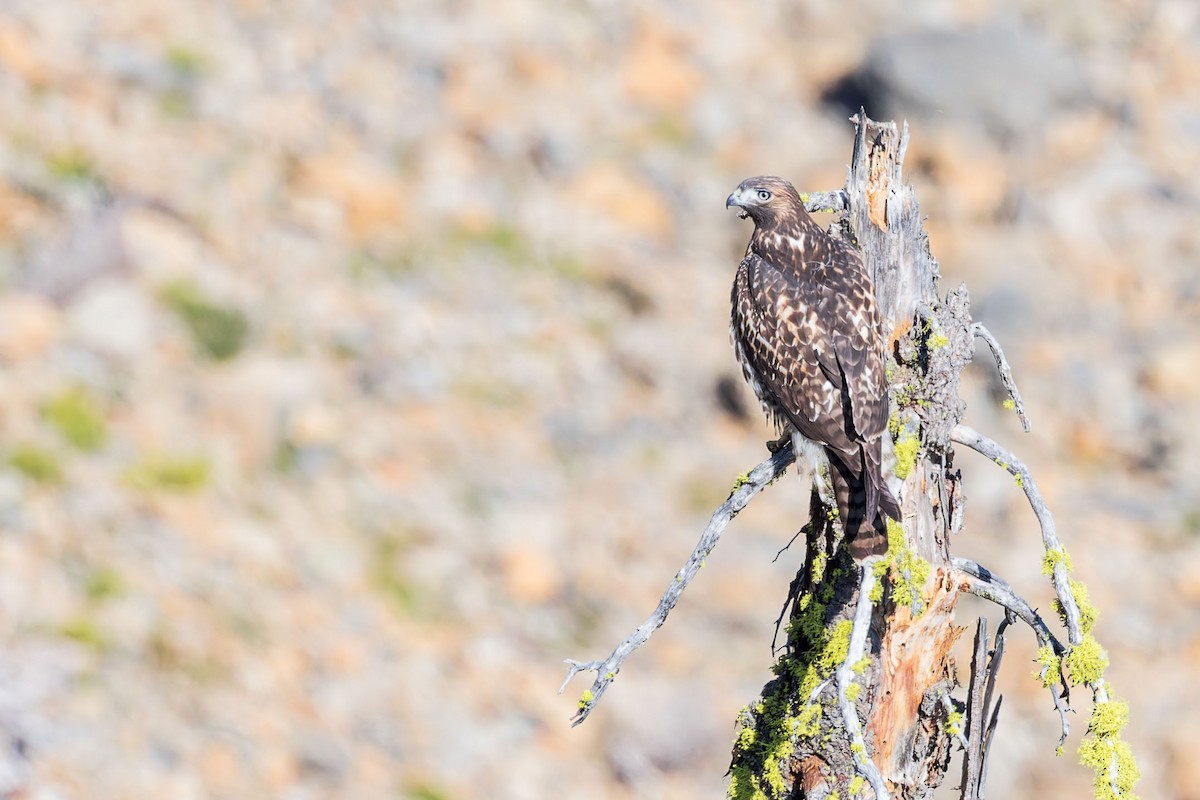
(768, 200)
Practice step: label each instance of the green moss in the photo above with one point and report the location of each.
(1086, 661)
(586, 699)
(954, 722)
(937, 341)
(856, 785)
(743, 785)
(1019, 480)
(906, 448)
(861, 665)
(218, 331)
(741, 481)
(36, 464)
(1010, 405)
(853, 691)
(77, 420)
(169, 473)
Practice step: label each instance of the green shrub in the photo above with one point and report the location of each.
(36, 464)
(77, 419)
(218, 331)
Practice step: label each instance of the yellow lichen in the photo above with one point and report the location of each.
(767, 737)
(1104, 749)
(1086, 661)
(906, 448)
(1087, 612)
(1053, 558)
(1051, 665)
(905, 570)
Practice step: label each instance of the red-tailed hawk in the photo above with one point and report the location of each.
(807, 334)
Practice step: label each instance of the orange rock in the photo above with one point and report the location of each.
(369, 193)
(29, 325)
(659, 72)
(530, 574)
(1172, 372)
(18, 57)
(623, 197)
(220, 765)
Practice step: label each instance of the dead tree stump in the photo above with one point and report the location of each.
(861, 704)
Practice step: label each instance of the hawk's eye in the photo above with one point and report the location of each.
(763, 194)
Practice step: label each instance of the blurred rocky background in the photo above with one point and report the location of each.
(361, 361)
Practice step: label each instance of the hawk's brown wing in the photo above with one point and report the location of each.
(848, 308)
(785, 334)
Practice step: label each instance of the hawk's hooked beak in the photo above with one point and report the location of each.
(735, 199)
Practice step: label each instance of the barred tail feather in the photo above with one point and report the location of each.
(864, 502)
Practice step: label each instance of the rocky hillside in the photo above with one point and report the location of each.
(361, 361)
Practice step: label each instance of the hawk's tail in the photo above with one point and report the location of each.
(864, 501)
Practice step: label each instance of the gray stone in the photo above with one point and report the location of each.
(1005, 79)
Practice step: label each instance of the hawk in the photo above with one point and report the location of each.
(807, 334)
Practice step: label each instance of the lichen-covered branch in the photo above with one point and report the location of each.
(744, 489)
(1085, 661)
(982, 583)
(1006, 376)
(1055, 554)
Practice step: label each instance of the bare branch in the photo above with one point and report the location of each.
(973, 760)
(845, 677)
(744, 491)
(992, 713)
(1006, 375)
(1062, 587)
(980, 582)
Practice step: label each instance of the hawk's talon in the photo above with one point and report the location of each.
(775, 445)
